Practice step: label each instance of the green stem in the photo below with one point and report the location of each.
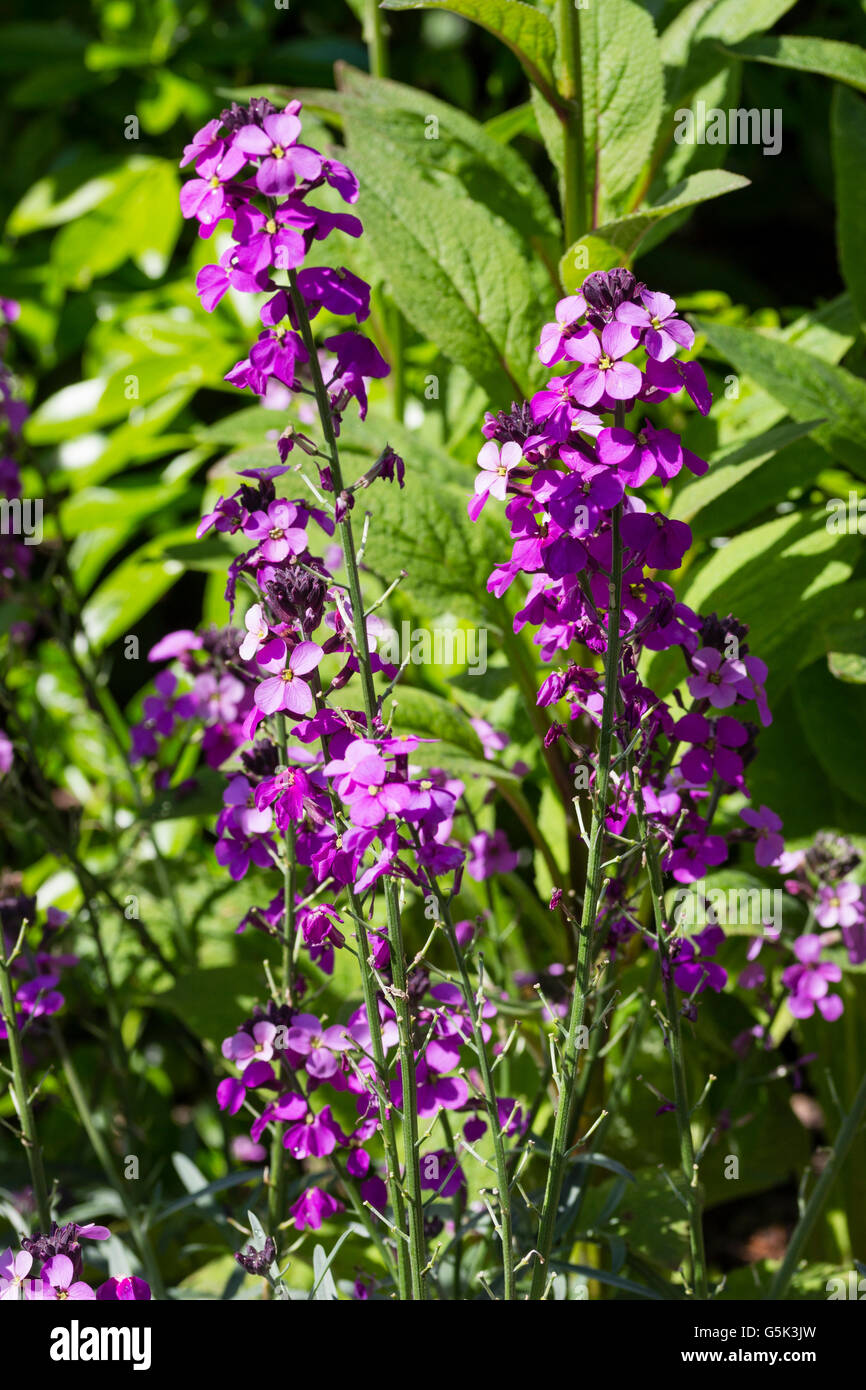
(844, 1142)
(21, 1097)
(502, 1175)
(368, 982)
(567, 24)
(569, 1062)
(411, 1155)
(374, 38)
(100, 1148)
(693, 1194)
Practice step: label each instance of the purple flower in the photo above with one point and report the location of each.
(713, 752)
(554, 336)
(694, 968)
(315, 1136)
(839, 905)
(59, 1282)
(276, 531)
(656, 317)
(495, 465)
(491, 854)
(317, 1048)
(282, 161)
(312, 1208)
(768, 825)
(809, 981)
(717, 679)
(206, 197)
(604, 373)
(124, 1288)
(284, 690)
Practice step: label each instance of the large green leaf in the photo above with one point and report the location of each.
(804, 384)
(781, 578)
(525, 30)
(622, 90)
(139, 220)
(844, 62)
(438, 135)
(833, 714)
(738, 484)
(453, 270)
(848, 130)
(619, 242)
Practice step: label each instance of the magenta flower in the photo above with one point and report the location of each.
(283, 162)
(714, 744)
(554, 336)
(58, 1278)
(284, 690)
(318, 1049)
(495, 465)
(717, 679)
(276, 531)
(694, 968)
(839, 905)
(768, 825)
(603, 372)
(206, 197)
(809, 981)
(14, 1269)
(312, 1208)
(656, 317)
(315, 1136)
(124, 1288)
(697, 853)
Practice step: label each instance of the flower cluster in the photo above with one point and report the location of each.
(50, 1267)
(313, 788)
(594, 560)
(35, 968)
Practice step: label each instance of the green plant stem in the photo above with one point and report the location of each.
(368, 982)
(693, 1193)
(411, 1154)
(566, 20)
(821, 1191)
(21, 1097)
(569, 1062)
(374, 38)
(100, 1148)
(501, 1162)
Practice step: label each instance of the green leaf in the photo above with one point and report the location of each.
(728, 21)
(455, 273)
(623, 92)
(129, 591)
(779, 578)
(423, 528)
(489, 170)
(738, 486)
(804, 384)
(522, 28)
(210, 1000)
(848, 135)
(139, 220)
(844, 62)
(619, 242)
(848, 666)
(833, 715)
